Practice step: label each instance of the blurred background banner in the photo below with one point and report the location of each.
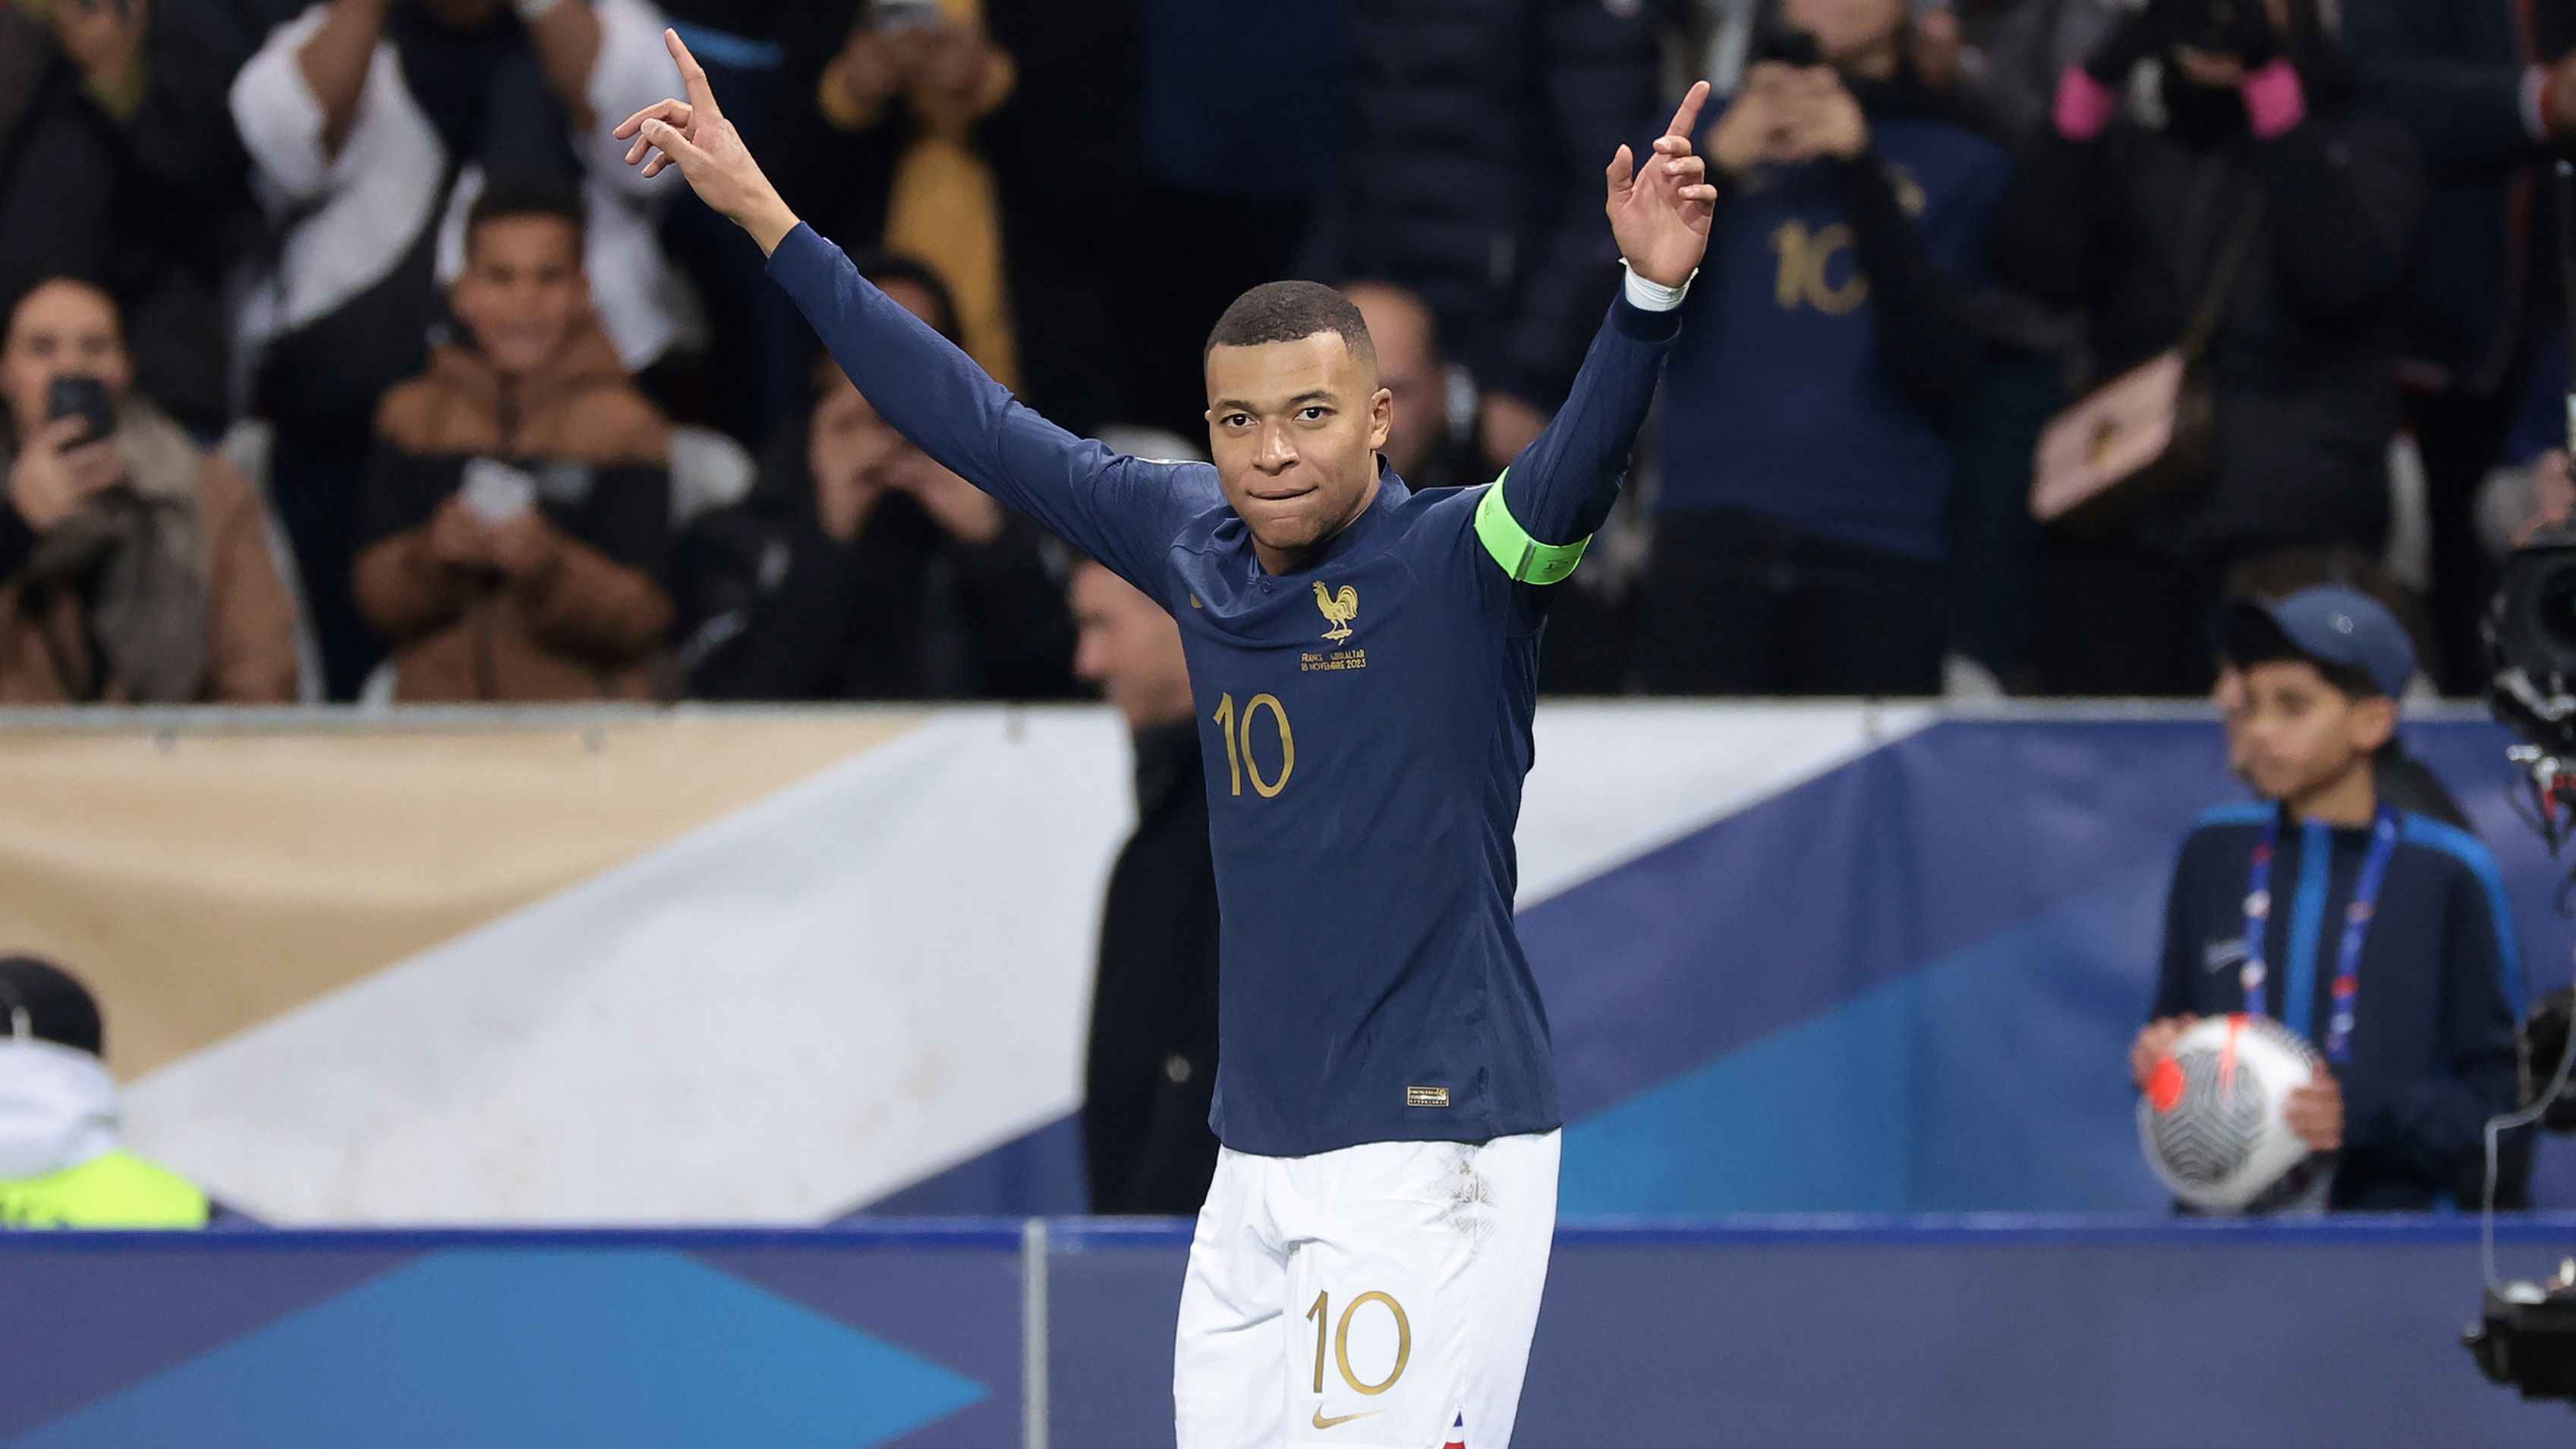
(788, 966)
(1940, 1334)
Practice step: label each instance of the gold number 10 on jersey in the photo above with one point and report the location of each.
(1239, 759)
(1322, 1315)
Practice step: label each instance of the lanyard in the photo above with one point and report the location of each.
(2356, 927)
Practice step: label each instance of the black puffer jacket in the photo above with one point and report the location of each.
(2304, 359)
(143, 192)
(2453, 69)
(772, 608)
(1472, 140)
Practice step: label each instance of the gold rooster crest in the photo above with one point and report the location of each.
(1339, 609)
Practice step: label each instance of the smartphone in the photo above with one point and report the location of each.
(496, 492)
(82, 397)
(905, 14)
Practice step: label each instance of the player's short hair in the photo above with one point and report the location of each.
(1287, 311)
(509, 197)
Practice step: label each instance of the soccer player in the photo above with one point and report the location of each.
(1368, 1265)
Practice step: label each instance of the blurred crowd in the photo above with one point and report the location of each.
(345, 359)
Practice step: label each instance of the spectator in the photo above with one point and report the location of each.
(880, 148)
(517, 507)
(133, 567)
(1150, 1073)
(1999, 60)
(1198, 158)
(2412, 1001)
(2264, 157)
(372, 125)
(1997, 63)
(60, 1165)
(1423, 445)
(125, 171)
(2489, 89)
(1469, 172)
(860, 569)
(1805, 470)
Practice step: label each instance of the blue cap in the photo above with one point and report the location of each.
(2345, 627)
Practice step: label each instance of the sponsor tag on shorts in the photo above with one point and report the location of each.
(1426, 1096)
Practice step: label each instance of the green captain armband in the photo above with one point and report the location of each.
(1526, 559)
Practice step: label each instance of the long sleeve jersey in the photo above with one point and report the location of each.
(1364, 719)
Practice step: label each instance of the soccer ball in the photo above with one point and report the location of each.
(2211, 1120)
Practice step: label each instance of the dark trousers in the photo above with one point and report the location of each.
(2459, 437)
(1993, 538)
(314, 486)
(2118, 620)
(1736, 603)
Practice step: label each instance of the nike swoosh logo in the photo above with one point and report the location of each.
(1323, 1423)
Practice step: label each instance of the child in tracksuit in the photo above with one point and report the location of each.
(2379, 935)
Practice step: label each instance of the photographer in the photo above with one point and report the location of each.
(1805, 466)
(2271, 203)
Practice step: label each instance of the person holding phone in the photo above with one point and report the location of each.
(125, 172)
(134, 567)
(1808, 462)
(515, 519)
(2264, 154)
(373, 124)
(880, 148)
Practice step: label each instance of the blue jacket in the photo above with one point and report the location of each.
(2440, 984)
(1364, 720)
(1828, 334)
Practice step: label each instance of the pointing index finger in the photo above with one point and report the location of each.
(692, 75)
(1686, 119)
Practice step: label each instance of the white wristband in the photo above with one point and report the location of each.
(532, 11)
(1648, 296)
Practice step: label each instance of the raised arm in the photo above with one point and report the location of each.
(1122, 511)
(1537, 520)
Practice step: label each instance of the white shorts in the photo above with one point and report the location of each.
(1377, 1297)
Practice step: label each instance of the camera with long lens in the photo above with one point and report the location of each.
(2526, 1336)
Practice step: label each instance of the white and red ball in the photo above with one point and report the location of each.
(2211, 1118)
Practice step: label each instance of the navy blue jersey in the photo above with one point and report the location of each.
(2439, 983)
(1365, 721)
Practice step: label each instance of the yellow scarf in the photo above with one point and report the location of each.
(942, 210)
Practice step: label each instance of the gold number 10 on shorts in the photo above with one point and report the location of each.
(1322, 1314)
(1239, 759)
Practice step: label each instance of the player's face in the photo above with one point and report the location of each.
(1294, 428)
(522, 290)
(2297, 733)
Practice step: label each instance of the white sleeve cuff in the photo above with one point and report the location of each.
(1648, 296)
